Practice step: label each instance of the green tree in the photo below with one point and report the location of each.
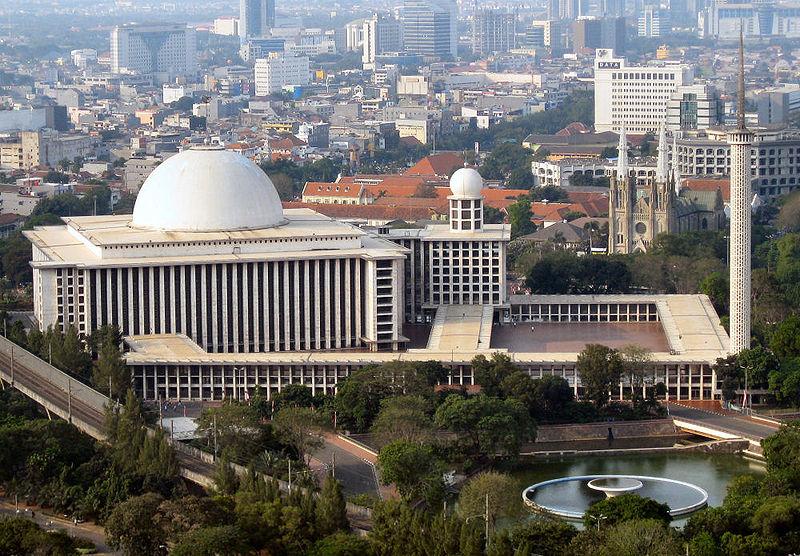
(533, 536)
(492, 215)
(404, 418)
(784, 382)
(554, 394)
(626, 507)
(641, 537)
(502, 490)
(294, 395)
(110, 373)
(785, 340)
(716, 287)
(331, 508)
(341, 544)
(519, 216)
(599, 368)
(412, 467)
(302, 428)
(20, 536)
(132, 526)
(490, 373)
(220, 540)
(637, 366)
(486, 425)
(225, 479)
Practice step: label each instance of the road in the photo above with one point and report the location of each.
(739, 425)
(49, 522)
(355, 474)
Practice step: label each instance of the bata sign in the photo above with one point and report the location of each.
(607, 65)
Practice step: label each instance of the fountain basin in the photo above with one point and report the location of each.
(694, 498)
(614, 486)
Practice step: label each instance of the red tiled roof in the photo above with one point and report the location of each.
(442, 165)
(375, 212)
(709, 184)
(328, 189)
(7, 218)
(573, 128)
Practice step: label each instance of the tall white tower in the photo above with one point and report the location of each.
(740, 141)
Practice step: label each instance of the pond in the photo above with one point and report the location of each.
(710, 472)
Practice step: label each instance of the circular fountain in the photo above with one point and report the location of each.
(614, 486)
(570, 497)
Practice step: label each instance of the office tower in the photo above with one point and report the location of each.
(740, 140)
(430, 27)
(612, 8)
(654, 22)
(163, 51)
(593, 33)
(493, 31)
(256, 18)
(693, 107)
(381, 34)
(636, 95)
(277, 71)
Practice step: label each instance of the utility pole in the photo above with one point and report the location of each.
(12, 365)
(290, 475)
(160, 413)
(215, 436)
(50, 352)
(69, 399)
(333, 464)
(486, 532)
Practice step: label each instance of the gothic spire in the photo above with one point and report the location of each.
(740, 100)
(622, 157)
(674, 166)
(662, 166)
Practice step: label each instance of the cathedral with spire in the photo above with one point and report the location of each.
(637, 212)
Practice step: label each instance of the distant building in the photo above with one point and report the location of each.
(137, 170)
(83, 57)
(163, 51)
(381, 34)
(773, 152)
(757, 19)
(779, 105)
(594, 33)
(277, 72)
(253, 49)
(493, 31)
(654, 22)
(354, 35)
(693, 107)
(29, 150)
(256, 18)
(430, 28)
(635, 96)
(227, 26)
(636, 215)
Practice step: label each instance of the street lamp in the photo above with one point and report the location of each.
(597, 519)
(485, 516)
(747, 403)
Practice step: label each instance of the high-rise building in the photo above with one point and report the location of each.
(493, 31)
(163, 51)
(612, 8)
(381, 34)
(694, 107)
(740, 140)
(278, 71)
(256, 18)
(756, 19)
(635, 95)
(551, 32)
(654, 22)
(778, 105)
(591, 33)
(430, 28)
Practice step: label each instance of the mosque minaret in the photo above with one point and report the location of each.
(740, 141)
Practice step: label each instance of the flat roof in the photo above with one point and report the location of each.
(688, 332)
(63, 247)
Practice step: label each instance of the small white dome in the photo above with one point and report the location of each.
(466, 183)
(207, 189)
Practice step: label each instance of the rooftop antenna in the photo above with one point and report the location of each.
(740, 101)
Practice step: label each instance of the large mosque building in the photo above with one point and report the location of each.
(218, 290)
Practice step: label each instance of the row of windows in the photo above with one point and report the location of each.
(221, 316)
(219, 243)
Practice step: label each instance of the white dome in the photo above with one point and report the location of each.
(466, 183)
(207, 189)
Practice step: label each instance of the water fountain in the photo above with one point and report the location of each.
(570, 497)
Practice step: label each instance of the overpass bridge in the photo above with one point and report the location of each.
(723, 425)
(61, 395)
